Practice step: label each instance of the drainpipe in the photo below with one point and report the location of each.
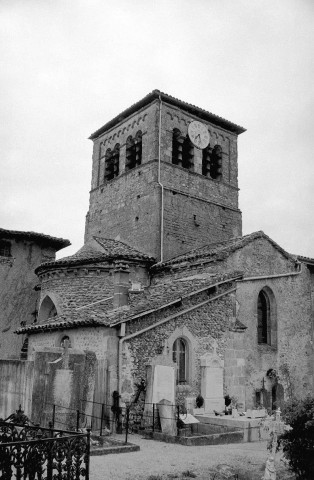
(162, 188)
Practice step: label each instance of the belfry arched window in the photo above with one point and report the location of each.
(216, 163)
(133, 151)
(180, 357)
(263, 318)
(182, 150)
(112, 163)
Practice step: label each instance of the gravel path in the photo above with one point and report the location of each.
(171, 460)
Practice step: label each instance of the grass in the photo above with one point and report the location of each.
(189, 474)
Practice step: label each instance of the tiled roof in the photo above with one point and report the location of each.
(73, 319)
(117, 249)
(41, 238)
(307, 260)
(108, 249)
(154, 95)
(153, 298)
(220, 250)
(162, 295)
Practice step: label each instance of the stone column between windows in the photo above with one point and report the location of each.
(198, 160)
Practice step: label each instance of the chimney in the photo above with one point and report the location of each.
(121, 285)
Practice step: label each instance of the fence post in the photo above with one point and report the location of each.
(127, 424)
(77, 420)
(102, 416)
(153, 417)
(87, 456)
(50, 446)
(53, 415)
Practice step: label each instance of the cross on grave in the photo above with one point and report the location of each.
(65, 355)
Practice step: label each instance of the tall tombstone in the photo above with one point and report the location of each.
(63, 377)
(212, 368)
(160, 383)
(167, 415)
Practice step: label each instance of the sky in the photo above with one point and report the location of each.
(69, 66)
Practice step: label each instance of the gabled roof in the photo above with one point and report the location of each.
(156, 94)
(219, 251)
(40, 238)
(105, 249)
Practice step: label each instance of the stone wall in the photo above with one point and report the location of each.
(201, 328)
(18, 299)
(16, 382)
(292, 314)
(101, 340)
(128, 209)
(76, 287)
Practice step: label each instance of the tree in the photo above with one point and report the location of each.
(298, 441)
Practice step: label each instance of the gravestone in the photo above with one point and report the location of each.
(212, 382)
(63, 377)
(160, 380)
(160, 385)
(167, 417)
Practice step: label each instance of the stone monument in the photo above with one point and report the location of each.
(212, 382)
(160, 384)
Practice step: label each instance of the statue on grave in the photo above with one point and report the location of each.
(270, 470)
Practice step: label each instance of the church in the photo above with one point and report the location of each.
(165, 275)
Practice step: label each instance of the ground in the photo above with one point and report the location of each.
(164, 461)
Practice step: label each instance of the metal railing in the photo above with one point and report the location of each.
(43, 453)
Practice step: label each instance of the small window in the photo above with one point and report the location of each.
(263, 319)
(182, 150)
(216, 163)
(65, 342)
(133, 151)
(112, 163)
(5, 249)
(206, 162)
(179, 356)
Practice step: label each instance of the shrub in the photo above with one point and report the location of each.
(298, 442)
(199, 401)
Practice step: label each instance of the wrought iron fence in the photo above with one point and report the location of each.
(31, 452)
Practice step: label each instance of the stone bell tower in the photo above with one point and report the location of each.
(165, 178)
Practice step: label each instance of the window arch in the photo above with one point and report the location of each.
(112, 163)
(47, 309)
(5, 249)
(65, 340)
(180, 357)
(133, 151)
(263, 318)
(266, 318)
(182, 150)
(216, 163)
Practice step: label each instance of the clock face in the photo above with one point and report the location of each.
(198, 134)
